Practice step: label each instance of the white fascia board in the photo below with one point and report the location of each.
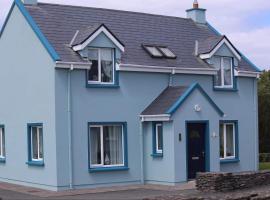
(155, 118)
(92, 37)
(159, 69)
(247, 74)
(224, 41)
(72, 65)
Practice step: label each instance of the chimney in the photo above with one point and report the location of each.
(196, 13)
(30, 2)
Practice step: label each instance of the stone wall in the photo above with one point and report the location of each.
(222, 182)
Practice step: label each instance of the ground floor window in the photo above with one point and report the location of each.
(107, 145)
(228, 140)
(2, 143)
(35, 142)
(157, 138)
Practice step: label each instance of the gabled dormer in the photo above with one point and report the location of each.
(219, 52)
(103, 49)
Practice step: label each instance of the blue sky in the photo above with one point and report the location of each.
(246, 23)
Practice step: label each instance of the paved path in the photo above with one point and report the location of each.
(134, 192)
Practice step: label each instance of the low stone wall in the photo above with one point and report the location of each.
(222, 182)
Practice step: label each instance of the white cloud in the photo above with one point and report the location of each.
(229, 16)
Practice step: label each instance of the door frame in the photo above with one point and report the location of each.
(207, 143)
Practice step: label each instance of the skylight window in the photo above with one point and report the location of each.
(167, 52)
(153, 51)
(159, 51)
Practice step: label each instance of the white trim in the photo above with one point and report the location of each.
(155, 118)
(74, 37)
(157, 140)
(72, 65)
(247, 74)
(102, 29)
(224, 41)
(160, 69)
(102, 165)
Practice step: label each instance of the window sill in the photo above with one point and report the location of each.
(35, 163)
(225, 161)
(90, 85)
(2, 160)
(225, 89)
(105, 169)
(157, 155)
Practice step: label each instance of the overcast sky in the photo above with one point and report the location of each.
(245, 22)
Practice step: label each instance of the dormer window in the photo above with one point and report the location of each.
(102, 69)
(224, 77)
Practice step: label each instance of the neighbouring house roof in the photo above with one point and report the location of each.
(173, 97)
(59, 23)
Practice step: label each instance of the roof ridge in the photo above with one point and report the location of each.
(109, 9)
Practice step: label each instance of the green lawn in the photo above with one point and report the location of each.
(264, 165)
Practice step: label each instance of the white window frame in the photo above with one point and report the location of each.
(158, 151)
(222, 73)
(2, 132)
(225, 141)
(99, 67)
(102, 147)
(32, 147)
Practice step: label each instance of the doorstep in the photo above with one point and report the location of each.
(45, 193)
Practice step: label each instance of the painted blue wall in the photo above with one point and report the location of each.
(27, 96)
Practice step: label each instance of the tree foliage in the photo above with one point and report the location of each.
(264, 111)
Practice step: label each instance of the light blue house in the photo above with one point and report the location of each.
(95, 97)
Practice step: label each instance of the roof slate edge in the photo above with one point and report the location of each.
(256, 68)
(186, 94)
(101, 25)
(50, 49)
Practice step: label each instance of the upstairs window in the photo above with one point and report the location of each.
(224, 78)
(102, 69)
(2, 143)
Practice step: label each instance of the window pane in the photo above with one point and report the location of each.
(229, 140)
(113, 145)
(154, 51)
(40, 143)
(34, 143)
(221, 141)
(1, 131)
(227, 62)
(167, 52)
(95, 148)
(217, 65)
(3, 143)
(106, 65)
(159, 137)
(93, 72)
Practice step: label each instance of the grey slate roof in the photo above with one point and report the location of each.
(59, 24)
(84, 33)
(205, 46)
(165, 100)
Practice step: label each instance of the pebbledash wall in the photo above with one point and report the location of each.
(33, 91)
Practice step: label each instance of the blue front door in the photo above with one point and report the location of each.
(196, 148)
